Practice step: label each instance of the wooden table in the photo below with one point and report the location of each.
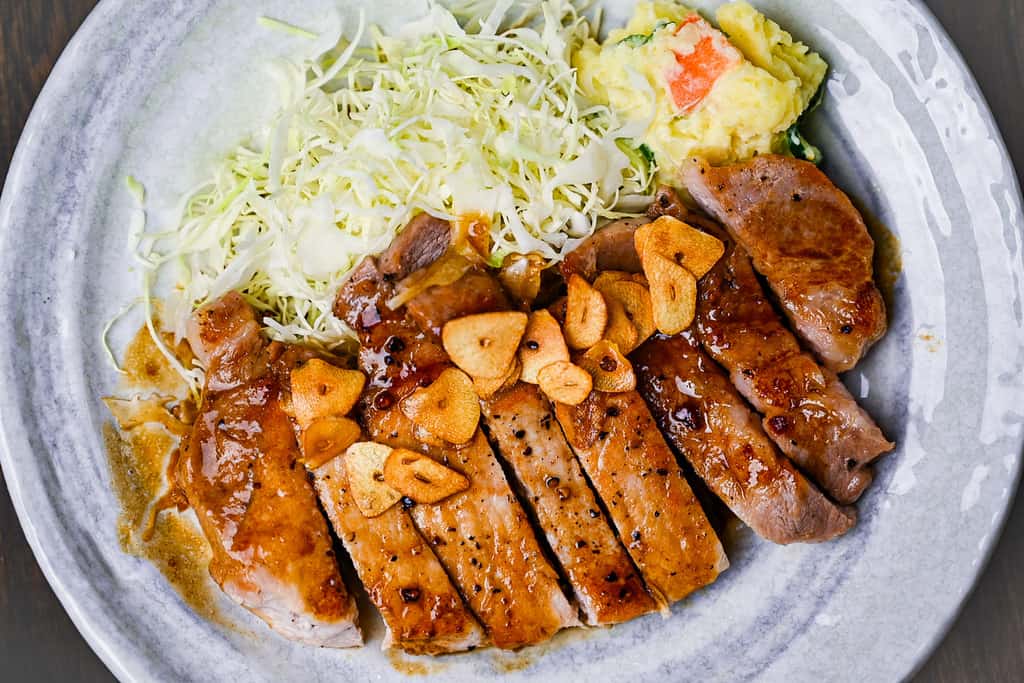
(39, 643)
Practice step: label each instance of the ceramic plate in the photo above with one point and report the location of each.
(160, 88)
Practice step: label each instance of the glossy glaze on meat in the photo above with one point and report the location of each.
(422, 610)
(475, 292)
(810, 243)
(481, 535)
(418, 245)
(666, 202)
(645, 492)
(272, 552)
(522, 427)
(706, 419)
(807, 411)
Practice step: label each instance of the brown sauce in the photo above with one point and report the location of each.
(888, 261)
(521, 660)
(932, 343)
(147, 370)
(511, 662)
(141, 455)
(475, 229)
(502, 661)
(410, 665)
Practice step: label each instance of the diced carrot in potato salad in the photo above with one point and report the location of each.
(688, 88)
(703, 56)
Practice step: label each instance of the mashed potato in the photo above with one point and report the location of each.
(688, 90)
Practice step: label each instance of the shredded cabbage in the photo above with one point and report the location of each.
(443, 117)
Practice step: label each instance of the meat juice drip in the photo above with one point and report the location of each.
(146, 369)
(173, 497)
(407, 666)
(888, 260)
(141, 460)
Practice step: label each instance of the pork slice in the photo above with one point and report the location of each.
(807, 411)
(482, 535)
(667, 203)
(475, 292)
(418, 245)
(706, 419)
(272, 552)
(610, 248)
(522, 428)
(645, 492)
(607, 586)
(423, 612)
(634, 471)
(226, 339)
(808, 241)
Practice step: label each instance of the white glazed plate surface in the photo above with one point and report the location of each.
(161, 88)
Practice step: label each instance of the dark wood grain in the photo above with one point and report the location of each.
(39, 643)
(987, 641)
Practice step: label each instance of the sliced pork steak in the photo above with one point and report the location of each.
(607, 585)
(422, 241)
(808, 412)
(422, 611)
(633, 469)
(521, 425)
(706, 419)
(610, 248)
(808, 241)
(645, 492)
(482, 535)
(272, 552)
(670, 372)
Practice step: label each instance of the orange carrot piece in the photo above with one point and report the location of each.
(698, 71)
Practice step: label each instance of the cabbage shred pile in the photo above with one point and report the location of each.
(437, 118)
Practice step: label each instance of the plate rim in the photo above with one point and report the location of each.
(94, 635)
(82, 622)
(998, 527)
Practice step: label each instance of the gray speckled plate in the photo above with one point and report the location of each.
(159, 88)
